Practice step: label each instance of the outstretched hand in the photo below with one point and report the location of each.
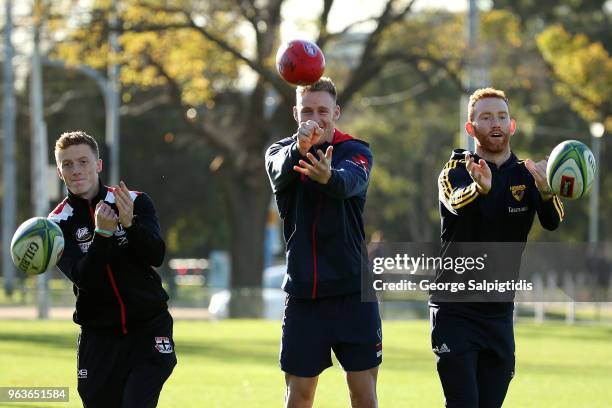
(125, 204)
(538, 171)
(105, 217)
(479, 172)
(317, 170)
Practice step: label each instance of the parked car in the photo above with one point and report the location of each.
(273, 296)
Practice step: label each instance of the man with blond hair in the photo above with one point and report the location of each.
(320, 178)
(486, 196)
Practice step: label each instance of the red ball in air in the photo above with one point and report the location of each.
(300, 62)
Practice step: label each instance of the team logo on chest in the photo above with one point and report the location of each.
(518, 191)
(84, 238)
(83, 234)
(163, 345)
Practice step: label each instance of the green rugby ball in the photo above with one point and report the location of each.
(37, 245)
(571, 170)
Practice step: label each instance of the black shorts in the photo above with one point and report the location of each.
(125, 370)
(312, 328)
(474, 355)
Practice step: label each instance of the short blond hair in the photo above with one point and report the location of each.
(76, 137)
(324, 84)
(485, 93)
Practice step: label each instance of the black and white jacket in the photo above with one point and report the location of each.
(115, 284)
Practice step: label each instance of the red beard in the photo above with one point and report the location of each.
(492, 144)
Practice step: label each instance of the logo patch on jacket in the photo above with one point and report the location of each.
(441, 349)
(84, 246)
(163, 345)
(360, 160)
(83, 234)
(120, 234)
(518, 191)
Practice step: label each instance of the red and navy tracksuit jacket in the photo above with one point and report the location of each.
(115, 285)
(505, 214)
(322, 224)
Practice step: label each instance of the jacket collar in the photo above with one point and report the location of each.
(340, 137)
(511, 161)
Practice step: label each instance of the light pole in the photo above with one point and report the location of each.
(38, 148)
(9, 180)
(473, 63)
(112, 99)
(597, 131)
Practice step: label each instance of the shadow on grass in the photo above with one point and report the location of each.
(564, 332)
(264, 352)
(588, 369)
(61, 341)
(230, 351)
(398, 359)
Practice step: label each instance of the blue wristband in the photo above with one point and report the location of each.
(103, 232)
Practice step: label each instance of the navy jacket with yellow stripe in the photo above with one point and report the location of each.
(505, 214)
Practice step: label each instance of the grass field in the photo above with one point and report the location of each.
(234, 364)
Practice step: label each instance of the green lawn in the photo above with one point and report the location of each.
(234, 364)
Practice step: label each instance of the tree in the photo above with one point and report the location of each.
(407, 113)
(412, 127)
(195, 52)
(582, 70)
(568, 42)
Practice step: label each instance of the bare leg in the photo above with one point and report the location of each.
(300, 391)
(362, 388)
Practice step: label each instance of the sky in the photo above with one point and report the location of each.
(298, 15)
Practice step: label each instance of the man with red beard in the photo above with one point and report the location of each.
(486, 197)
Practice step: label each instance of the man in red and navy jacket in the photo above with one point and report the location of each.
(320, 179)
(112, 240)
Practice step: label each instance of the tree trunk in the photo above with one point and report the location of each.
(247, 192)
(248, 210)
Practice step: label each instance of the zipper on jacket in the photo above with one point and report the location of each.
(314, 248)
(109, 271)
(111, 278)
